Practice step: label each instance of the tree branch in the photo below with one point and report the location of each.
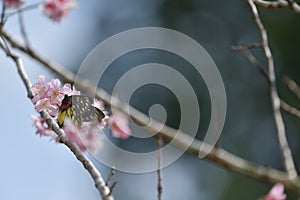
(159, 144)
(292, 85)
(217, 155)
(88, 165)
(294, 6)
(285, 149)
(251, 58)
(290, 109)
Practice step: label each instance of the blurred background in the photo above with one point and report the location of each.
(36, 168)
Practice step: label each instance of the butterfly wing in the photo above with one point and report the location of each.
(84, 111)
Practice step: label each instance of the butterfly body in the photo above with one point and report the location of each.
(78, 109)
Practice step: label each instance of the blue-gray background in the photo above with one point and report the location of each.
(34, 168)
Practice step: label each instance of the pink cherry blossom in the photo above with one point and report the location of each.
(42, 128)
(14, 4)
(57, 9)
(55, 92)
(118, 124)
(45, 104)
(99, 104)
(69, 90)
(39, 89)
(276, 193)
(86, 137)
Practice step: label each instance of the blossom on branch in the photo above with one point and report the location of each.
(118, 124)
(276, 193)
(86, 136)
(81, 126)
(58, 9)
(13, 4)
(42, 127)
(48, 97)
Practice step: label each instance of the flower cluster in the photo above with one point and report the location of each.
(53, 9)
(48, 96)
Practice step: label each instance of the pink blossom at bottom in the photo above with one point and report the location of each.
(118, 124)
(276, 193)
(14, 4)
(86, 137)
(42, 127)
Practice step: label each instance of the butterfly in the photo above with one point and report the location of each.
(78, 108)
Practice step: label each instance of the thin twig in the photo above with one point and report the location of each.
(292, 85)
(30, 7)
(2, 20)
(107, 182)
(285, 149)
(159, 143)
(110, 175)
(294, 6)
(290, 109)
(217, 155)
(251, 58)
(243, 46)
(88, 165)
(4, 45)
(22, 29)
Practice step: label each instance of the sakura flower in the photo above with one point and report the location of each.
(14, 4)
(45, 104)
(98, 104)
(86, 137)
(90, 135)
(69, 90)
(39, 89)
(57, 9)
(55, 92)
(118, 124)
(41, 126)
(276, 193)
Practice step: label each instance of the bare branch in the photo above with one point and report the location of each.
(2, 19)
(23, 9)
(159, 144)
(88, 165)
(290, 109)
(22, 28)
(294, 6)
(292, 85)
(110, 175)
(251, 58)
(4, 45)
(285, 149)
